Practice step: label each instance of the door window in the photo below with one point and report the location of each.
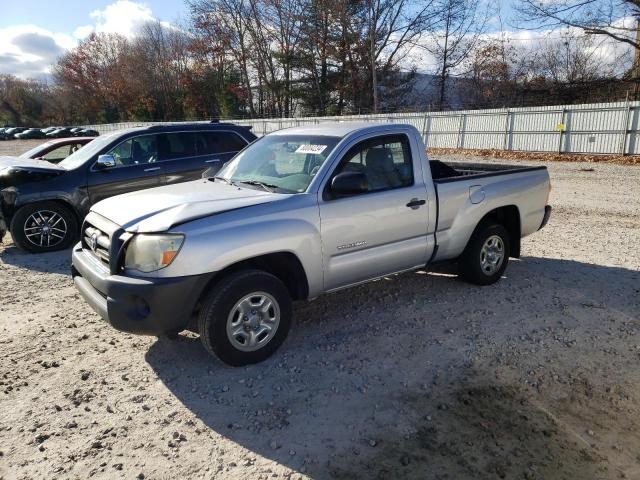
(386, 162)
(58, 154)
(219, 142)
(172, 146)
(137, 150)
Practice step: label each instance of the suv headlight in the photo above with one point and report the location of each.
(149, 252)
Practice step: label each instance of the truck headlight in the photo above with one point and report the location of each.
(148, 252)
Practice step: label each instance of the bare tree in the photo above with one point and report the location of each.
(392, 28)
(616, 19)
(461, 25)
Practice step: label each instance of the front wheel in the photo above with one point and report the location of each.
(485, 259)
(44, 227)
(245, 317)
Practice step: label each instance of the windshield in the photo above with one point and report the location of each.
(35, 150)
(89, 150)
(284, 163)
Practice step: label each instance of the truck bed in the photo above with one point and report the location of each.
(442, 172)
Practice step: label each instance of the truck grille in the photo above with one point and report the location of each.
(101, 238)
(97, 242)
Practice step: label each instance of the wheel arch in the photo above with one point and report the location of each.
(285, 266)
(509, 217)
(57, 200)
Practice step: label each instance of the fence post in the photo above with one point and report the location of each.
(460, 130)
(625, 129)
(560, 137)
(505, 141)
(424, 128)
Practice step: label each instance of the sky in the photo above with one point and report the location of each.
(34, 33)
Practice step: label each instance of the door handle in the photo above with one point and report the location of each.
(415, 203)
(151, 169)
(212, 160)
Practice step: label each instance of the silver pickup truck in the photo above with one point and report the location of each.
(298, 213)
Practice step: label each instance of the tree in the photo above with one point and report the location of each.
(460, 26)
(392, 27)
(222, 23)
(94, 76)
(615, 19)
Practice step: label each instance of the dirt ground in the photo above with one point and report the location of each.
(414, 376)
(17, 147)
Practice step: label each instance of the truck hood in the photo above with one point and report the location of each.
(27, 164)
(159, 209)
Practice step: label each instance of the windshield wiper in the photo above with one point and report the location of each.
(221, 178)
(266, 186)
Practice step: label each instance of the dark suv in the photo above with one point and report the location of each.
(43, 204)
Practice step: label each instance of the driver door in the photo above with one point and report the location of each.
(380, 231)
(136, 169)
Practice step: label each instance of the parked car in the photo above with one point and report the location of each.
(55, 151)
(29, 134)
(63, 132)
(298, 213)
(3, 135)
(10, 132)
(43, 204)
(86, 132)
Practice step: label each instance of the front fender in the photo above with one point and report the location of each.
(212, 245)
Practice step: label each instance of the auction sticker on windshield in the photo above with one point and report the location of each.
(317, 149)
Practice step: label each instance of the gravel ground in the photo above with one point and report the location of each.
(414, 376)
(18, 147)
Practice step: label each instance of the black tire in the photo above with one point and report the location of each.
(26, 217)
(218, 306)
(470, 263)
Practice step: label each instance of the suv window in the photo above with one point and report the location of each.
(136, 150)
(60, 153)
(172, 146)
(176, 145)
(385, 161)
(219, 142)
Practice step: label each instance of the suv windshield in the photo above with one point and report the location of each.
(285, 163)
(89, 150)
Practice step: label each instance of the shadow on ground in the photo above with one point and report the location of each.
(52, 262)
(398, 378)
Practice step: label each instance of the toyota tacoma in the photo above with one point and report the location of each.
(298, 213)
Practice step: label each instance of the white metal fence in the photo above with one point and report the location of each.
(608, 128)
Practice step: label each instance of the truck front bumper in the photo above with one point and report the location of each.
(547, 214)
(141, 305)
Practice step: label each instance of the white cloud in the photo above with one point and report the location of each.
(83, 31)
(29, 51)
(123, 17)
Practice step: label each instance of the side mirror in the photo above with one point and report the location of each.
(105, 161)
(349, 183)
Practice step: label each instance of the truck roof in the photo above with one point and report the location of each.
(341, 129)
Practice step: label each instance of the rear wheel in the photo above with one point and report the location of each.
(245, 318)
(486, 256)
(44, 227)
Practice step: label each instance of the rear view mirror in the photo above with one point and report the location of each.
(105, 161)
(349, 183)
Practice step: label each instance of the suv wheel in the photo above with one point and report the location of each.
(44, 227)
(485, 259)
(245, 318)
